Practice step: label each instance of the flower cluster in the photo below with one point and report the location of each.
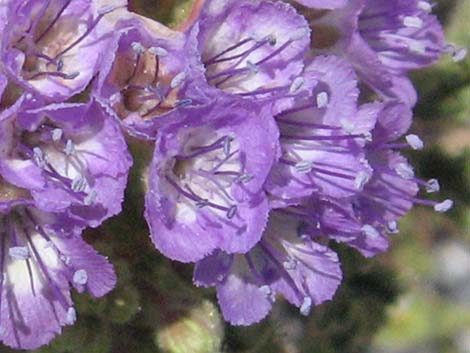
(276, 129)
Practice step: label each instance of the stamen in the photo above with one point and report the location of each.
(62, 75)
(69, 149)
(290, 264)
(79, 184)
(71, 316)
(231, 211)
(303, 167)
(322, 100)
(414, 141)
(39, 157)
(178, 80)
(443, 206)
(19, 252)
(425, 6)
(405, 171)
(57, 135)
(80, 277)
(90, 198)
(158, 51)
(432, 185)
(296, 84)
(392, 227)
(306, 306)
(370, 231)
(361, 180)
(413, 22)
(54, 21)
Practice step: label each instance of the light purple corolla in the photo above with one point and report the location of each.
(205, 185)
(71, 157)
(42, 256)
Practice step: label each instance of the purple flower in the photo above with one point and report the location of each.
(365, 219)
(71, 157)
(150, 76)
(383, 40)
(53, 47)
(206, 177)
(322, 136)
(42, 255)
(252, 48)
(286, 261)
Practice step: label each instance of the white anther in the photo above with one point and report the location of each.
(71, 316)
(39, 157)
(459, 54)
(413, 22)
(322, 99)
(444, 206)
(69, 148)
(306, 306)
(392, 227)
(361, 180)
(370, 231)
(178, 80)
(57, 134)
(90, 198)
(414, 141)
(80, 277)
(296, 84)
(405, 171)
(290, 264)
(432, 185)
(425, 6)
(417, 47)
(138, 47)
(158, 51)
(19, 252)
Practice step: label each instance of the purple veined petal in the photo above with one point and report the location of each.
(304, 272)
(252, 49)
(341, 223)
(38, 62)
(321, 139)
(72, 157)
(205, 184)
(403, 33)
(151, 76)
(41, 255)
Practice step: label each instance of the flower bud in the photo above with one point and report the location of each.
(200, 331)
